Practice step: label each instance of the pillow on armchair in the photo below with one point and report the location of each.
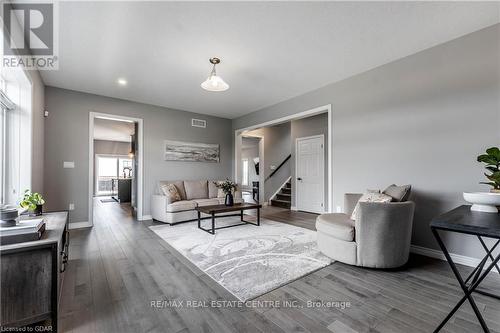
(370, 197)
(398, 193)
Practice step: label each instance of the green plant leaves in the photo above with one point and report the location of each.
(492, 161)
(494, 152)
(31, 200)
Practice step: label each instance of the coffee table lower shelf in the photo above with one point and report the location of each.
(213, 210)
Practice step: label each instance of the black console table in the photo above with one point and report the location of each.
(465, 221)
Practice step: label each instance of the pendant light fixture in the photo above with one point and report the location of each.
(214, 82)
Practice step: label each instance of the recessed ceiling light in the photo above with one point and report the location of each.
(122, 82)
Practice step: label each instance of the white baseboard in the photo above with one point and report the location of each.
(144, 218)
(457, 258)
(79, 225)
(293, 208)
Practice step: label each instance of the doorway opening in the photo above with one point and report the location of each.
(295, 160)
(115, 165)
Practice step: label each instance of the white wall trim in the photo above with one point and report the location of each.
(457, 258)
(322, 137)
(304, 114)
(139, 174)
(79, 225)
(145, 218)
(279, 189)
(294, 208)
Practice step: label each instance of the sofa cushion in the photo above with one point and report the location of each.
(370, 197)
(180, 206)
(336, 225)
(212, 189)
(206, 202)
(179, 184)
(171, 192)
(398, 193)
(196, 189)
(235, 199)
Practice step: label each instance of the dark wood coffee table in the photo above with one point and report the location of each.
(218, 209)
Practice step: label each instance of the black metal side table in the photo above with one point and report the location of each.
(463, 220)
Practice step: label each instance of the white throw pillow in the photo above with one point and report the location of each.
(370, 197)
(171, 192)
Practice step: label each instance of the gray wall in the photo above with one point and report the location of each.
(276, 149)
(315, 125)
(420, 120)
(250, 150)
(66, 139)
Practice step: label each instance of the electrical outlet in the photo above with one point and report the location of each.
(339, 209)
(71, 206)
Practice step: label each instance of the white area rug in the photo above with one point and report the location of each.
(247, 260)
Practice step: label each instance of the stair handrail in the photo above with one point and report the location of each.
(279, 166)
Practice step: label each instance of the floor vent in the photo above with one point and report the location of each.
(198, 123)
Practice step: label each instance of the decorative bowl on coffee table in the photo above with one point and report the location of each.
(483, 201)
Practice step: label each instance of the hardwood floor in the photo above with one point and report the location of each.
(119, 267)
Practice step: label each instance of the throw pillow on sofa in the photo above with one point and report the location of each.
(370, 197)
(171, 192)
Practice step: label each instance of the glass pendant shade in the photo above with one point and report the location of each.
(215, 83)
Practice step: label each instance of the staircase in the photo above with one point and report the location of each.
(284, 198)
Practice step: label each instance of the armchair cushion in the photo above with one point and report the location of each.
(398, 193)
(336, 225)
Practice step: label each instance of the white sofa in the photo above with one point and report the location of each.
(194, 193)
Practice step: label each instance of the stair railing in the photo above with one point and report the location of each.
(279, 166)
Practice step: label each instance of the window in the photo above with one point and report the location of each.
(244, 180)
(109, 168)
(15, 135)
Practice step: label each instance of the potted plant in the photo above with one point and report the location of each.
(33, 202)
(492, 161)
(228, 187)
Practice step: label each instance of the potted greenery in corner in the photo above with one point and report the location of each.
(492, 161)
(33, 202)
(227, 187)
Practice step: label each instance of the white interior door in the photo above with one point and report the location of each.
(309, 172)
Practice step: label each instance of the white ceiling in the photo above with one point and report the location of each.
(113, 130)
(270, 51)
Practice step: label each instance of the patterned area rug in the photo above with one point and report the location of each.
(247, 260)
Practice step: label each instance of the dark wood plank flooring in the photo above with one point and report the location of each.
(119, 267)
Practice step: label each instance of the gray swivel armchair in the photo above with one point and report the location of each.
(379, 238)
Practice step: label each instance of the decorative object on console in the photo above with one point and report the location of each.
(8, 216)
(33, 202)
(483, 201)
(191, 151)
(492, 161)
(228, 187)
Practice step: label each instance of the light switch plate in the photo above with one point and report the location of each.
(68, 165)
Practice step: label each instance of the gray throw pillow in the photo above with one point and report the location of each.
(398, 193)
